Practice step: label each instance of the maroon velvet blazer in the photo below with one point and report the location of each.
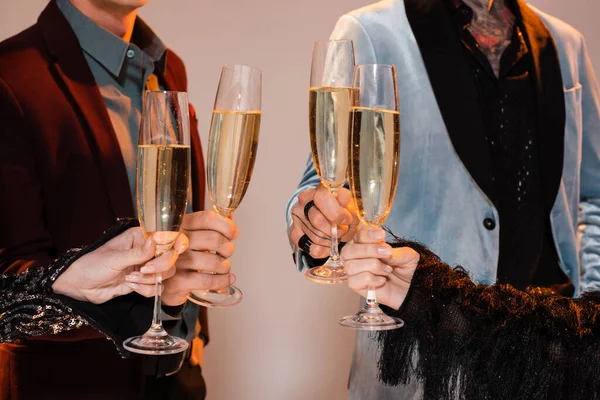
(62, 177)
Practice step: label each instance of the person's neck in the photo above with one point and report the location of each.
(117, 20)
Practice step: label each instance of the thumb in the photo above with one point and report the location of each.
(344, 197)
(137, 255)
(403, 257)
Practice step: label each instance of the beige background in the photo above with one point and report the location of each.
(283, 341)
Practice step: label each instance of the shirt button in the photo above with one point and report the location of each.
(489, 224)
(130, 53)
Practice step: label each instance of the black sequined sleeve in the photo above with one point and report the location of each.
(463, 340)
(29, 307)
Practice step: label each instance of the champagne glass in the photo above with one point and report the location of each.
(232, 145)
(163, 169)
(328, 108)
(374, 163)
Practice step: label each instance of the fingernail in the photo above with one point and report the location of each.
(147, 269)
(133, 277)
(132, 285)
(181, 248)
(147, 244)
(378, 235)
(388, 268)
(384, 251)
(381, 280)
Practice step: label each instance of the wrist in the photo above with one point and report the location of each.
(399, 297)
(67, 283)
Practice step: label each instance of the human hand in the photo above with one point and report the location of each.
(373, 264)
(205, 264)
(327, 210)
(110, 270)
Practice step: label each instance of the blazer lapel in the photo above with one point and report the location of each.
(71, 68)
(454, 86)
(550, 98)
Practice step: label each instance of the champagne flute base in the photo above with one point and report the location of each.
(371, 318)
(327, 274)
(230, 296)
(155, 342)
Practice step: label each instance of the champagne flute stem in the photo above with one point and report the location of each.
(371, 298)
(335, 252)
(156, 317)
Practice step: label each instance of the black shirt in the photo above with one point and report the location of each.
(509, 114)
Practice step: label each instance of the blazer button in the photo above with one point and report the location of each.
(489, 224)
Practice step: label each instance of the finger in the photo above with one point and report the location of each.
(316, 250)
(357, 251)
(144, 290)
(326, 202)
(149, 279)
(211, 241)
(138, 255)
(350, 234)
(404, 257)
(182, 243)
(318, 220)
(370, 234)
(204, 261)
(160, 264)
(301, 227)
(299, 218)
(371, 265)
(354, 226)
(306, 196)
(210, 221)
(365, 281)
(344, 197)
(188, 280)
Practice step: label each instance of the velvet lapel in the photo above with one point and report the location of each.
(71, 68)
(454, 86)
(550, 99)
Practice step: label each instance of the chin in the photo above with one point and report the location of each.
(122, 4)
(130, 3)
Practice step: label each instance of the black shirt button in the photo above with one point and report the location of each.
(489, 224)
(466, 11)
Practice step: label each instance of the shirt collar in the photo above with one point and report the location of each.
(110, 50)
(145, 38)
(462, 13)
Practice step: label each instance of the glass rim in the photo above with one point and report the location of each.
(375, 65)
(166, 91)
(333, 41)
(233, 67)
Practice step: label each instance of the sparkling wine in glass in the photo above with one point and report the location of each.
(232, 145)
(328, 110)
(374, 163)
(163, 170)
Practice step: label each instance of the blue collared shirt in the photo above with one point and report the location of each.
(121, 71)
